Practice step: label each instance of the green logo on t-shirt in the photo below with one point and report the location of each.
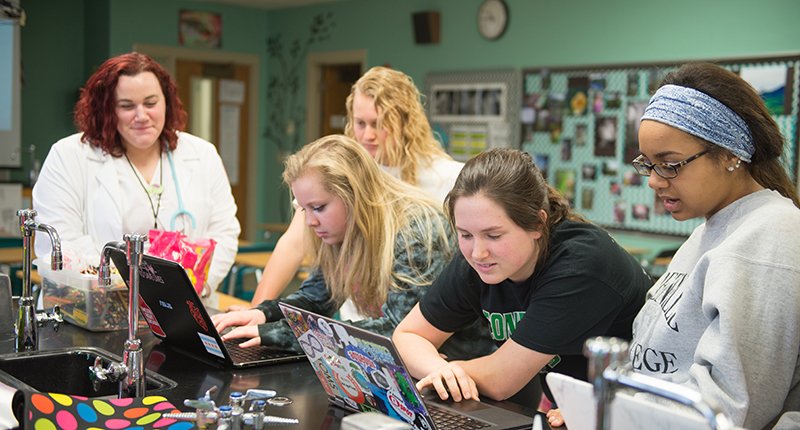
(503, 325)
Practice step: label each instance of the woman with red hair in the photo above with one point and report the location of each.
(131, 169)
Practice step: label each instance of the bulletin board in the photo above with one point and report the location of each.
(581, 127)
(474, 110)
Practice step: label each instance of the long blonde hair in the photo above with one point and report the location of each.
(401, 115)
(383, 213)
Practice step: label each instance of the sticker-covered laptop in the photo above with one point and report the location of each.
(176, 315)
(362, 372)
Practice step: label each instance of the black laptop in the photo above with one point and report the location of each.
(176, 315)
(362, 372)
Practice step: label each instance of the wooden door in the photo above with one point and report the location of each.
(235, 158)
(338, 79)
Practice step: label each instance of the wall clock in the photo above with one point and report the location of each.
(492, 19)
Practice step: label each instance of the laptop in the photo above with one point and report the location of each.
(362, 372)
(575, 399)
(176, 315)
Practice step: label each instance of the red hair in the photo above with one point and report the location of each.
(95, 113)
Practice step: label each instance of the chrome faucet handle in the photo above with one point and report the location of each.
(259, 419)
(55, 317)
(204, 402)
(209, 391)
(113, 373)
(253, 394)
(206, 411)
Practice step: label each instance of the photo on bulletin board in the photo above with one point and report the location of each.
(541, 161)
(580, 135)
(611, 167)
(578, 95)
(565, 184)
(620, 207)
(587, 199)
(633, 115)
(589, 172)
(615, 189)
(633, 84)
(553, 114)
(770, 83)
(566, 149)
(605, 138)
(640, 212)
(631, 178)
(612, 100)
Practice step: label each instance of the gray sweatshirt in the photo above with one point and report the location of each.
(725, 317)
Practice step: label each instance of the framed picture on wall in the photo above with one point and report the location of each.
(201, 29)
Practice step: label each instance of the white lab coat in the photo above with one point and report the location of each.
(84, 193)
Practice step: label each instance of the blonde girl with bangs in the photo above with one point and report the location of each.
(386, 116)
(383, 213)
(372, 239)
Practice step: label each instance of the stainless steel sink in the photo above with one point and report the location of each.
(66, 371)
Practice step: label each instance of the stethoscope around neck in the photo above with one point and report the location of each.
(181, 210)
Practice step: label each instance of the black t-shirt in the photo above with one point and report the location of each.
(588, 286)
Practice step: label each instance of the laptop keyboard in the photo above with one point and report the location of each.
(255, 353)
(447, 420)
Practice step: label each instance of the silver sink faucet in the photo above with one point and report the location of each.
(130, 373)
(609, 368)
(28, 320)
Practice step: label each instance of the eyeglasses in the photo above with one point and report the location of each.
(665, 170)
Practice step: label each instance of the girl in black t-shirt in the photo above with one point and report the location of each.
(543, 278)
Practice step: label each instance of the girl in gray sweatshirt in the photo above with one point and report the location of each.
(725, 318)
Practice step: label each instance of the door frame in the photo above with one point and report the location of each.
(168, 55)
(315, 61)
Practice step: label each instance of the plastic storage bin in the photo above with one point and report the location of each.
(82, 301)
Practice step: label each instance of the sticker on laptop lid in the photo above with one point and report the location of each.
(155, 327)
(211, 345)
(198, 317)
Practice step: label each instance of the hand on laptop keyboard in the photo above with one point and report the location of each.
(453, 379)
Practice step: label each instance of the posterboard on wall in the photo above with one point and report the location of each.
(474, 110)
(581, 127)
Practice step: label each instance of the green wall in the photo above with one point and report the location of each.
(52, 52)
(555, 33)
(59, 50)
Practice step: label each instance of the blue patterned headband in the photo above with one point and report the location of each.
(699, 114)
